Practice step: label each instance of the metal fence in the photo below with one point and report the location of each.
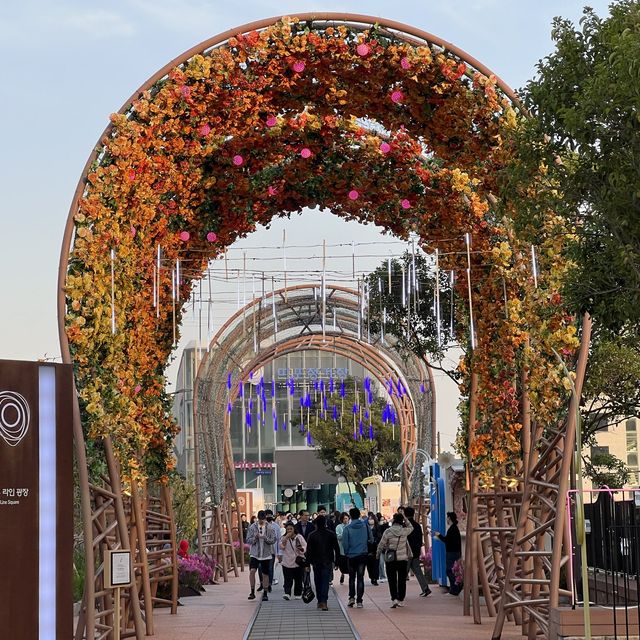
(612, 540)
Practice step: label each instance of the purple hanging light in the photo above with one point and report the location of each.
(342, 389)
(332, 385)
(422, 388)
(240, 389)
(229, 407)
(229, 377)
(335, 413)
(275, 421)
(292, 386)
(361, 428)
(370, 432)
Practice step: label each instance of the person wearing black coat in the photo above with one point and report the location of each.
(322, 554)
(304, 526)
(373, 563)
(415, 540)
(453, 546)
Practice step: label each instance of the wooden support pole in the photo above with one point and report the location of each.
(569, 444)
(470, 568)
(139, 539)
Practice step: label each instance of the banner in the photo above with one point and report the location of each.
(36, 500)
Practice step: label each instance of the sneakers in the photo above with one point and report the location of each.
(359, 605)
(425, 593)
(351, 602)
(260, 588)
(269, 589)
(394, 604)
(400, 603)
(252, 596)
(264, 596)
(374, 583)
(297, 597)
(275, 582)
(286, 596)
(342, 579)
(324, 607)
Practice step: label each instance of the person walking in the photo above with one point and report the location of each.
(322, 554)
(292, 549)
(355, 541)
(416, 540)
(304, 527)
(343, 564)
(453, 548)
(394, 540)
(276, 528)
(261, 538)
(373, 562)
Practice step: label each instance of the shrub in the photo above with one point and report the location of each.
(195, 570)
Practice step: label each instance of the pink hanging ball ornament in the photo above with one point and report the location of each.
(353, 194)
(238, 160)
(137, 389)
(204, 130)
(185, 91)
(298, 66)
(405, 64)
(272, 121)
(211, 236)
(184, 236)
(385, 147)
(363, 49)
(272, 190)
(397, 96)
(405, 204)
(133, 231)
(305, 153)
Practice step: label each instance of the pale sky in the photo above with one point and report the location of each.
(69, 64)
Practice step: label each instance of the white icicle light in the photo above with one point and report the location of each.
(113, 293)
(534, 266)
(438, 319)
(467, 239)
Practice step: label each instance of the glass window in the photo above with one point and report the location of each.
(632, 459)
(598, 450)
(631, 425)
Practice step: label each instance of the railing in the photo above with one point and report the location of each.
(612, 540)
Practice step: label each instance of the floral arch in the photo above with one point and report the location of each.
(373, 120)
(377, 122)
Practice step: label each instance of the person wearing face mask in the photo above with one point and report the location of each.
(261, 538)
(272, 524)
(373, 562)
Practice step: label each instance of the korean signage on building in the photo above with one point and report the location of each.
(246, 464)
(311, 373)
(36, 489)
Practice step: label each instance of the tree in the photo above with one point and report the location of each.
(406, 314)
(605, 470)
(612, 389)
(342, 437)
(584, 137)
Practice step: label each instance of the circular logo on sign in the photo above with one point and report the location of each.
(14, 417)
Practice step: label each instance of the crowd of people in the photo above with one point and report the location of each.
(351, 543)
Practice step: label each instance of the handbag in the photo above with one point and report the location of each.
(300, 560)
(307, 592)
(391, 555)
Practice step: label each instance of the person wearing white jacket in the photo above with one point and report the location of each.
(292, 546)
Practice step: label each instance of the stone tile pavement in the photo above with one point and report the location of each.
(224, 613)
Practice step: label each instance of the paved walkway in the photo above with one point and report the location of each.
(293, 620)
(224, 613)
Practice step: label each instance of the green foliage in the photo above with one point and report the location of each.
(605, 470)
(360, 457)
(585, 133)
(409, 321)
(79, 564)
(612, 387)
(184, 507)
